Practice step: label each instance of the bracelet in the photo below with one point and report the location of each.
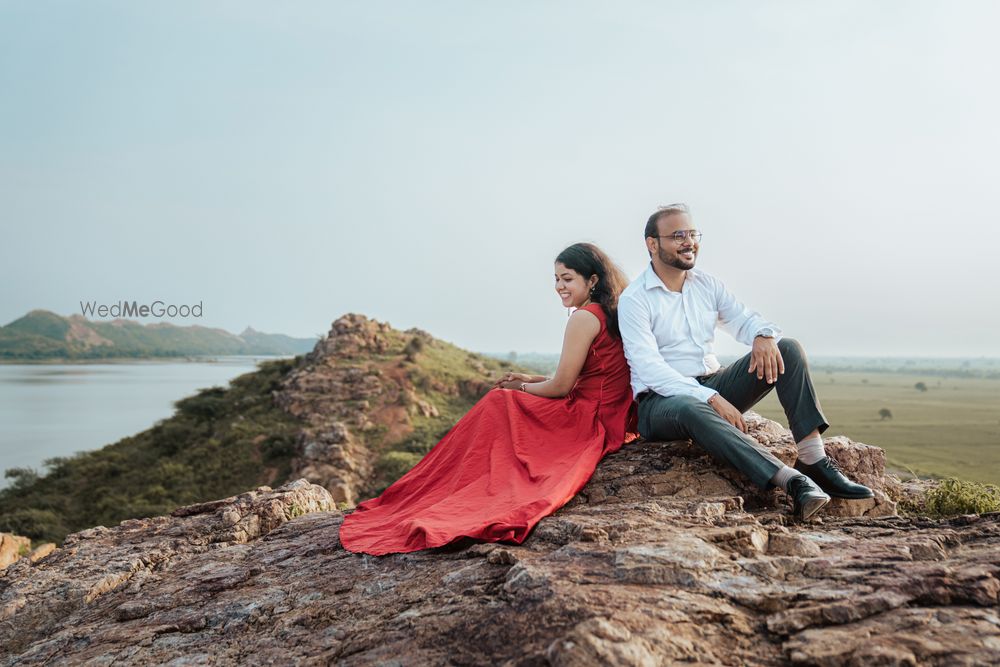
(522, 387)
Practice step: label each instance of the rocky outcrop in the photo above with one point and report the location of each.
(14, 547)
(142, 567)
(355, 394)
(663, 558)
(332, 391)
(684, 470)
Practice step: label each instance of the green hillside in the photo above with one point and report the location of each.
(42, 335)
(39, 323)
(224, 441)
(219, 442)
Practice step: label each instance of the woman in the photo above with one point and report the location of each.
(528, 446)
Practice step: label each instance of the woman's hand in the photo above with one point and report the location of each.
(508, 378)
(512, 384)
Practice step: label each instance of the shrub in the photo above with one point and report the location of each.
(23, 477)
(413, 348)
(391, 466)
(953, 496)
(206, 404)
(37, 524)
(279, 447)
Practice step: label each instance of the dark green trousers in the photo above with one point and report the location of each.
(686, 417)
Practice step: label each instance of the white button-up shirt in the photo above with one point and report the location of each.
(669, 336)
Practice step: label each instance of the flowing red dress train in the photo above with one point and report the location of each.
(511, 460)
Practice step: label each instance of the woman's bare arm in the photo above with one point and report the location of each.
(518, 377)
(581, 330)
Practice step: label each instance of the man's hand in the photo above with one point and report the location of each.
(728, 412)
(765, 358)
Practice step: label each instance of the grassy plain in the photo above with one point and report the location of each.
(952, 429)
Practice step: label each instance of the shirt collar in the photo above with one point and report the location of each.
(652, 281)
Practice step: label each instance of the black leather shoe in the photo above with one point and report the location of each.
(831, 479)
(807, 498)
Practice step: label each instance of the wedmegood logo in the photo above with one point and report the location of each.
(134, 309)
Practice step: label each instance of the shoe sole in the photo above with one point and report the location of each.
(811, 507)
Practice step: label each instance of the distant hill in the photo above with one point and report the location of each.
(43, 335)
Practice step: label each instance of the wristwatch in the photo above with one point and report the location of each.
(766, 332)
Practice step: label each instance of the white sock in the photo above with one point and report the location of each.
(781, 477)
(811, 449)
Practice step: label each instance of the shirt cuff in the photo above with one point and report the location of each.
(706, 394)
(775, 331)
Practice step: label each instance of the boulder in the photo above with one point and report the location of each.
(12, 547)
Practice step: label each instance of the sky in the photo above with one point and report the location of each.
(424, 163)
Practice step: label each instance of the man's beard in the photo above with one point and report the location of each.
(675, 260)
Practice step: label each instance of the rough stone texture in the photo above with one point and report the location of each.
(42, 550)
(684, 469)
(331, 392)
(11, 547)
(351, 393)
(114, 575)
(660, 560)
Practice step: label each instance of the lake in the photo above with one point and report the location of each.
(49, 410)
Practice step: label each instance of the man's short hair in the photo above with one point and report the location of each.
(662, 212)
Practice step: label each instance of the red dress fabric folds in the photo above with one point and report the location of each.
(511, 460)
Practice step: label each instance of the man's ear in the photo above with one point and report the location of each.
(651, 245)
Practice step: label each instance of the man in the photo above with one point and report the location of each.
(668, 317)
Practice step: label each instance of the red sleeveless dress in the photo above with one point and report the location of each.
(511, 460)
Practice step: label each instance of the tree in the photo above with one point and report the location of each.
(920, 386)
(885, 413)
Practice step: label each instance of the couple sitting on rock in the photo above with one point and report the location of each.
(634, 359)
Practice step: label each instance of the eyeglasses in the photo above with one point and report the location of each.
(678, 237)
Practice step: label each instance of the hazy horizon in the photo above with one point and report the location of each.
(423, 165)
(554, 354)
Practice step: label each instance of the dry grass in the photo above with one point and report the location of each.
(950, 430)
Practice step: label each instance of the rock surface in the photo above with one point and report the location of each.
(15, 547)
(332, 396)
(355, 395)
(663, 558)
(12, 547)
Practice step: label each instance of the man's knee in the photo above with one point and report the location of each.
(791, 349)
